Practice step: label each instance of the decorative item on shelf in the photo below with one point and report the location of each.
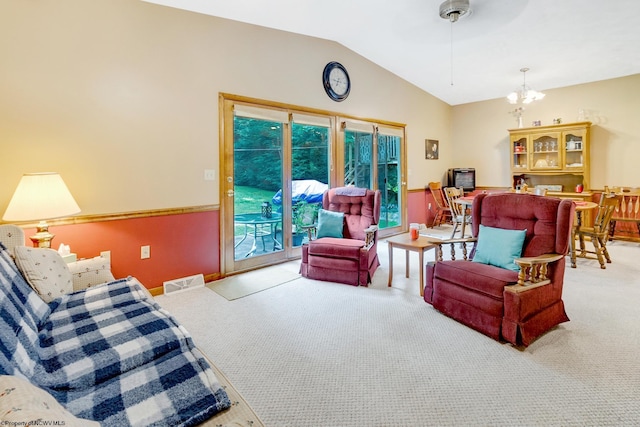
(579, 188)
(517, 113)
(536, 123)
(41, 196)
(551, 187)
(557, 121)
(266, 210)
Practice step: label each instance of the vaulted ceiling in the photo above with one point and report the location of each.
(479, 57)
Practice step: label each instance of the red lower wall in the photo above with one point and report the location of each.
(181, 245)
(418, 207)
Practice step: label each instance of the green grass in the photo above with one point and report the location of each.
(250, 199)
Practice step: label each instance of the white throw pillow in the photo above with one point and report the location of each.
(45, 270)
(22, 403)
(90, 272)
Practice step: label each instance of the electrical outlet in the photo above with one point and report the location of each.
(429, 206)
(106, 254)
(209, 175)
(145, 252)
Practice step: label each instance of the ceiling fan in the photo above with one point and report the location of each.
(454, 9)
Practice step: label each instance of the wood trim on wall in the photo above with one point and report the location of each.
(283, 105)
(83, 219)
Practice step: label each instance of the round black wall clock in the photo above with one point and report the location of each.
(336, 81)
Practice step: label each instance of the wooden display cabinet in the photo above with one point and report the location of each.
(555, 156)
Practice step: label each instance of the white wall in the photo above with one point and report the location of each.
(121, 98)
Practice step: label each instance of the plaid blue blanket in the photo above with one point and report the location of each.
(107, 353)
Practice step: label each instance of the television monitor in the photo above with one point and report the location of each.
(462, 177)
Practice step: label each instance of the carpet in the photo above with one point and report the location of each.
(241, 285)
(316, 354)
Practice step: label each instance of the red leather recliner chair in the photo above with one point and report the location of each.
(516, 306)
(352, 259)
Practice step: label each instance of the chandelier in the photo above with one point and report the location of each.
(524, 95)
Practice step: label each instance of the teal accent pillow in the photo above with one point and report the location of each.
(499, 247)
(330, 223)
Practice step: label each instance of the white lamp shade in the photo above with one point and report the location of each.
(40, 196)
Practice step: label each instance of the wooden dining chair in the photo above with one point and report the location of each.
(443, 211)
(629, 209)
(599, 233)
(459, 213)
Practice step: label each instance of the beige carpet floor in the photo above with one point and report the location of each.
(310, 353)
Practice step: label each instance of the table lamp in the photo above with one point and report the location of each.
(41, 196)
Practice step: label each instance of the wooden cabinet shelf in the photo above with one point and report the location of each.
(555, 156)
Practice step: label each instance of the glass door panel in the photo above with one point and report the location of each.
(389, 180)
(358, 157)
(257, 176)
(310, 137)
(372, 159)
(520, 152)
(546, 151)
(574, 146)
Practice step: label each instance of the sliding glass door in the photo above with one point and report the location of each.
(276, 163)
(275, 178)
(372, 159)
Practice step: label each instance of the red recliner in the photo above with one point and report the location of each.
(509, 305)
(352, 259)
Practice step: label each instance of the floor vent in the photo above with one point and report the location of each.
(183, 284)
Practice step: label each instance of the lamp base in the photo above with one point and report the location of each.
(42, 238)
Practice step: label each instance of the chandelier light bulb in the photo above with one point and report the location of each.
(525, 94)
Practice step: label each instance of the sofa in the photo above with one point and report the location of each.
(83, 353)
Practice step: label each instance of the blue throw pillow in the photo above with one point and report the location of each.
(499, 247)
(330, 223)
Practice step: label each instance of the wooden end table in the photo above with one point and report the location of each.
(420, 245)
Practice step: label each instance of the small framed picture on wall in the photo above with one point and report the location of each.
(431, 149)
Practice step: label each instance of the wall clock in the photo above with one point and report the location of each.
(336, 81)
